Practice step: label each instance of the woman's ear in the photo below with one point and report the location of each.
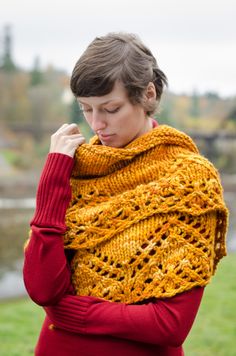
(150, 92)
(149, 101)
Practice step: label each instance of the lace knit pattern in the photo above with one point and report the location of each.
(145, 221)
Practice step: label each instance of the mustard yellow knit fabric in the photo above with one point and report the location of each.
(145, 221)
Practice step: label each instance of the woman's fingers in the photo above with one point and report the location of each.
(74, 140)
(73, 136)
(66, 139)
(67, 129)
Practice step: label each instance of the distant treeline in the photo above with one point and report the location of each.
(34, 103)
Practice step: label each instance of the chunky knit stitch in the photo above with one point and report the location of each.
(145, 221)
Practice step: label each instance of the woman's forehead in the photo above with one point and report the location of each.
(118, 93)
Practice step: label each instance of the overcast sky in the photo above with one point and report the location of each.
(194, 41)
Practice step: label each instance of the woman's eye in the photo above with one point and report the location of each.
(113, 111)
(87, 110)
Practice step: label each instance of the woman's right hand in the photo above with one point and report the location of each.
(66, 139)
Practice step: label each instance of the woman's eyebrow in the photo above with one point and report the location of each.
(104, 103)
(81, 102)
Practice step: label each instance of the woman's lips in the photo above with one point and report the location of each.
(105, 137)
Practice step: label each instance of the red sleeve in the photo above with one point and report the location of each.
(46, 272)
(166, 322)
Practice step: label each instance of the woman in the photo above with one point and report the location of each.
(129, 228)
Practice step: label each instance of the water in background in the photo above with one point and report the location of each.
(14, 229)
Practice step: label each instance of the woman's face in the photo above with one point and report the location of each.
(114, 118)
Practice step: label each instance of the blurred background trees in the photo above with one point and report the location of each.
(35, 102)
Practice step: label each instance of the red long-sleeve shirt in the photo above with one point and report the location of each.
(83, 325)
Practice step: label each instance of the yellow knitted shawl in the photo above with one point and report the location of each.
(145, 221)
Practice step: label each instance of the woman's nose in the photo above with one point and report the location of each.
(98, 121)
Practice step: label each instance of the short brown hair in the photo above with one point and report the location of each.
(117, 57)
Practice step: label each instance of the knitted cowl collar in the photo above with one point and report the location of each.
(95, 159)
(145, 221)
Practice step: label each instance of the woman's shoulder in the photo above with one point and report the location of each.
(184, 154)
(194, 168)
(196, 162)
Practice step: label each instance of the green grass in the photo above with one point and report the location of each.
(20, 323)
(213, 333)
(214, 330)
